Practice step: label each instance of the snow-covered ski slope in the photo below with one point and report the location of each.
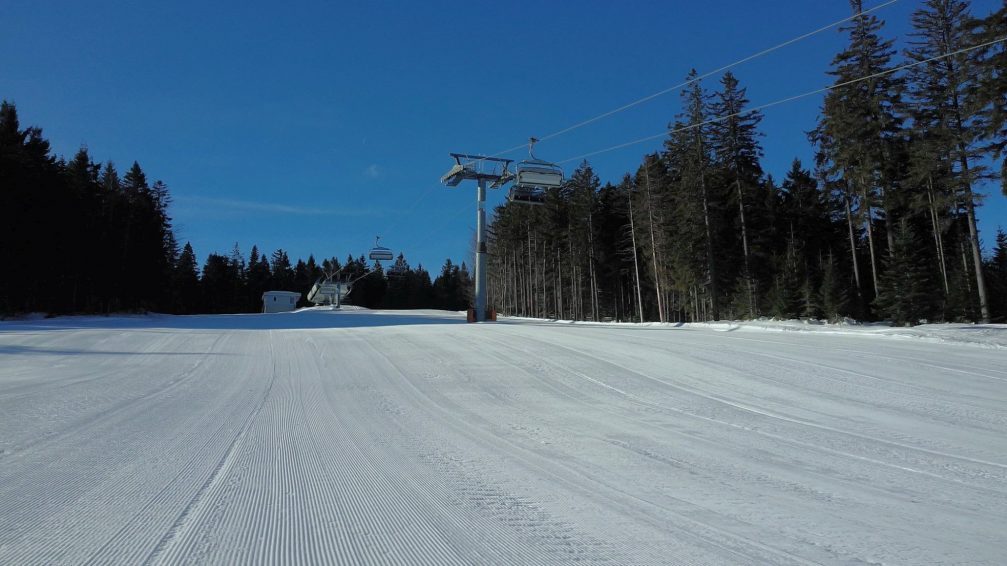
(362, 437)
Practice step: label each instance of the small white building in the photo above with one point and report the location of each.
(279, 301)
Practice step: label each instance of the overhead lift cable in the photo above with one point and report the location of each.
(637, 102)
(661, 93)
(696, 79)
(785, 100)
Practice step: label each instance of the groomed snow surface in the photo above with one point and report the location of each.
(367, 437)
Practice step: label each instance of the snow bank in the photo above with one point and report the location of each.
(982, 335)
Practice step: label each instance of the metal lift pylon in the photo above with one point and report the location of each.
(484, 170)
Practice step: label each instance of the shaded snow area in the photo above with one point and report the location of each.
(371, 437)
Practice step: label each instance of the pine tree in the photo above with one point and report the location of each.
(614, 266)
(906, 292)
(302, 279)
(698, 211)
(736, 154)
(312, 268)
(990, 96)
(70, 210)
(997, 268)
(579, 194)
(217, 284)
(185, 283)
(832, 293)
(785, 296)
(859, 128)
(135, 180)
(399, 282)
(940, 92)
(282, 273)
(803, 214)
(422, 291)
(651, 223)
(109, 238)
(259, 278)
(447, 288)
(79, 214)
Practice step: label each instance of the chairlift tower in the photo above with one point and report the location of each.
(491, 171)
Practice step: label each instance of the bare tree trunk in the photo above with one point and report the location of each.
(869, 224)
(530, 297)
(744, 246)
(965, 266)
(574, 306)
(620, 306)
(653, 246)
(590, 264)
(695, 304)
(853, 242)
(938, 238)
(711, 265)
(559, 283)
(519, 283)
(542, 291)
(977, 258)
(636, 264)
(512, 280)
(515, 282)
(970, 208)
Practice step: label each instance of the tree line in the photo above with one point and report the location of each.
(78, 237)
(229, 283)
(881, 226)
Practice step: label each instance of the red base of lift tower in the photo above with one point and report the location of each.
(491, 315)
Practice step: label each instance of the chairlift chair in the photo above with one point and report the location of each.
(533, 177)
(380, 253)
(328, 291)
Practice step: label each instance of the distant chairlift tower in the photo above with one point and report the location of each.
(483, 170)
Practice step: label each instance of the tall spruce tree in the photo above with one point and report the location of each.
(944, 116)
(990, 97)
(736, 154)
(859, 130)
(651, 225)
(282, 272)
(185, 282)
(832, 294)
(698, 208)
(579, 194)
(79, 213)
(906, 295)
(785, 296)
(997, 267)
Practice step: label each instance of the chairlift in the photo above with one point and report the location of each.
(380, 253)
(328, 291)
(533, 177)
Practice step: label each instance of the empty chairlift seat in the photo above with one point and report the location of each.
(380, 253)
(328, 292)
(533, 177)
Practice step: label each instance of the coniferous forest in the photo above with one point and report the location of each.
(78, 237)
(881, 226)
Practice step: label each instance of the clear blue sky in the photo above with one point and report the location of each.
(313, 126)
